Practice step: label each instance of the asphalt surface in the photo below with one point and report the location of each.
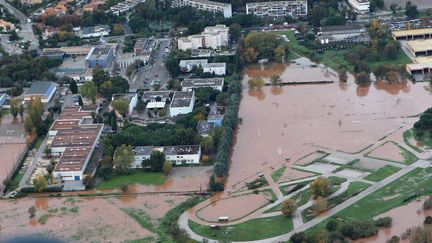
(26, 31)
(156, 71)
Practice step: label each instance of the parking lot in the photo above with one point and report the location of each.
(152, 72)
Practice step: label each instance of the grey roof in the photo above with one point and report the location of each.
(150, 95)
(99, 52)
(143, 150)
(348, 27)
(182, 99)
(202, 82)
(89, 30)
(182, 149)
(40, 88)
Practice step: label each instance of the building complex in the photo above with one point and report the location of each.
(177, 155)
(212, 37)
(278, 9)
(73, 137)
(44, 90)
(192, 84)
(360, 5)
(205, 5)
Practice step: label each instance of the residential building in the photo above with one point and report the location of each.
(216, 115)
(212, 37)
(177, 155)
(131, 98)
(192, 84)
(278, 9)
(101, 56)
(183, 154)
(94, 31)
(217, 68)
(73, 137)
(182, 103)
(43, 89)
(412, 34)
(360, 5)
(6, 26)
(188, 65)
(205, 5)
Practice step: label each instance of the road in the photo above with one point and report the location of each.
(26, 31)
(150, 72)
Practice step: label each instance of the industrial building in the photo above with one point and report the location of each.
(420, 47)
(44, 90)
(278, 9)
(205, 5)
(73, 137)
(413, 34)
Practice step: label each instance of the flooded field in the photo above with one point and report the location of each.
(297, 120)
(84, 219)
(404, 218)
(388, 151)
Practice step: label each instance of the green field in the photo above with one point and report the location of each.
(277, 174)
(137, 177)
(38, 142)
(335, 58)
(254, 229)
(382, 173)
(410, 186)
(407, 135)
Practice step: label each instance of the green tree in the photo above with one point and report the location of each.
(185, 136)
(207, 144)
(48, 151)
(21, 110)
(123, 158)
(275, 80)
(288, 207)
(89, 91)
(40, 183)
(13, 36)
(235, 31)
(391, 50)
(121, 106)
(411, 10)
(34, 115)
(155, 162)
(223, 99)
(73, 87)
(320, 187)
(14, 107)
(106, 89)
(255, 82)
(99, 76)
(166, 168)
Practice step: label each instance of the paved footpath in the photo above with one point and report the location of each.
(183, 220)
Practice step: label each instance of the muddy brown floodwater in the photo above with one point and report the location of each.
(295, 120)
(403, 218)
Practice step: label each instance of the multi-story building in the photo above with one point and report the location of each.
(177, 155)
(192, 84)
(189, 64)
(205, 5)
(156, 99)
(360, 5)
(182, 103)
(278, 9)
(99, 57)
(212, 37)
(216, 68)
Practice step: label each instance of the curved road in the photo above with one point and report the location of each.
(26, 31)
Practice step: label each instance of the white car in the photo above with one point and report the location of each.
(10, 195)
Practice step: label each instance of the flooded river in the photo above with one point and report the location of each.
(295, 120)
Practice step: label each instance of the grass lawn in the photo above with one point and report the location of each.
(139, 177)
(38, 142)
(335, 58)
(410, 186)
(254, 229)
(277, 174)
(302, 197)
(382, 173)
(354, 188)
